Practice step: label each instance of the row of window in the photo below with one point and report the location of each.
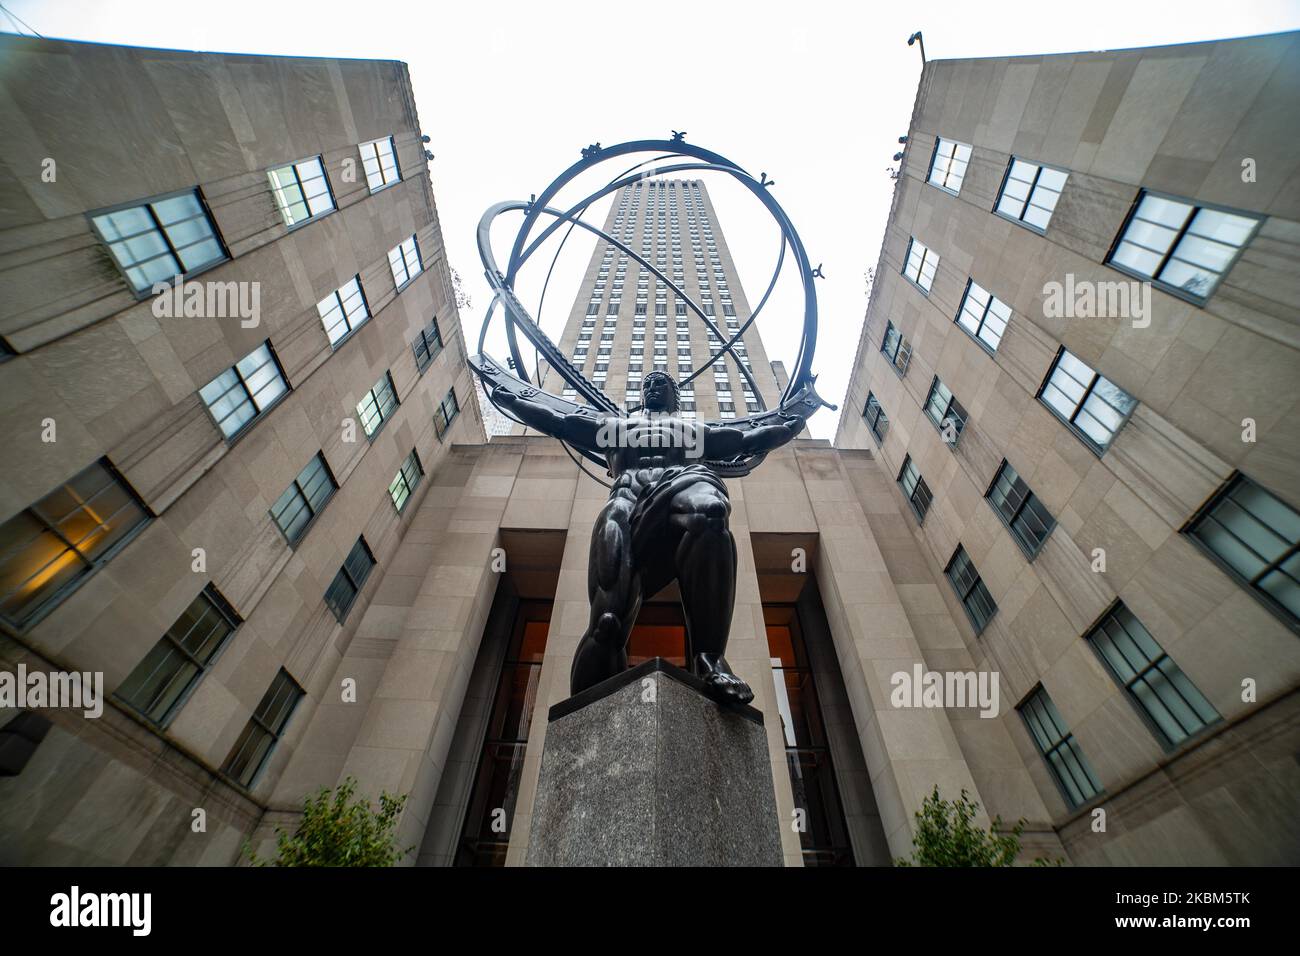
(1181, 246)
(155, 240)
(48, 548)
(1170, 705)
(1091, 405)
(1248, 531)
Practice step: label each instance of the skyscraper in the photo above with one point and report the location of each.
(626, 322)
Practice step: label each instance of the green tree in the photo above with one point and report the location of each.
(337, 830)
(947, 836)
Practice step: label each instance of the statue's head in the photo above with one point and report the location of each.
(659, 393)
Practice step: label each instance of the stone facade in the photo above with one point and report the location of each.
(120, 382)
(399, 694)
(1181, 121)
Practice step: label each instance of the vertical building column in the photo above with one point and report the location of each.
(411, 714)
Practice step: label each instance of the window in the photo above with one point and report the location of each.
(972, 593)
(301, 191)
(1182, 247)
(445, 413)
(380, 162)
(1254, 536)
(1093, 406)
(948, 165)
(943, 409)
(427, 345)
(876, 418)
(1029, 193)
(377, 406)
(350, 579)
(1062, 753)
(983, 315)
(1020, 510)
(246, 390)
(920, 264)
(404, 259)
(264, 729)
(63, 538)
(896, 348)
(304, 499)
(162, 681)
(915, 489)
(1158, 687)
(159, 239)
(343, 310)
(405, 481)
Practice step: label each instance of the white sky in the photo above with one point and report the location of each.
(815, 94)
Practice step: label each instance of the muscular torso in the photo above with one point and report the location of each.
(645, 445)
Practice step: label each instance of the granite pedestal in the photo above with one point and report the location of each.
(645, 770)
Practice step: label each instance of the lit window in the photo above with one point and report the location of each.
(972, 593)
(948, 165)
(162, 681)
(1095, 407)
(876, 418)
(1172, 705)
(1180, 246)
(63, 537)
(349, 580)
(896, 348)
(1030, 193)
(377, 405)
(303, 500)
(380, 162)
(301, 191)
(1025, 516)
(915, 489)
(1060, 750)
(264, 729)
(944, 411)
(404, 259)
(445, 413)
(159, 239)
(920, 264)
(405, 481)
(343, 310)
(427, 345)
(1254, 536)
(984, 316)
(246, 390)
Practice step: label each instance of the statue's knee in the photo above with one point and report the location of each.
(608, 629)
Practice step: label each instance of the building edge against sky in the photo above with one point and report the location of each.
(353, 617)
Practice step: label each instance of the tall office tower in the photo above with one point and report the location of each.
(1085, 314)
(205, 485)
(625, 322)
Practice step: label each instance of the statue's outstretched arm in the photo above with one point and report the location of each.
(722, 442)
(576, 429)
(534, 414)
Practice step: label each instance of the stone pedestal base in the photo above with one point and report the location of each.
(644, 770)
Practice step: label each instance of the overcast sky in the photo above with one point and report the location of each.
(815, 94)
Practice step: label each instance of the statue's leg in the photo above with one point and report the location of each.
(706, 576)
(615, 595)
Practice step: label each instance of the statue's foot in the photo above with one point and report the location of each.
(722, 685)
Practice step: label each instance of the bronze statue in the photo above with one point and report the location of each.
(666, 519)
